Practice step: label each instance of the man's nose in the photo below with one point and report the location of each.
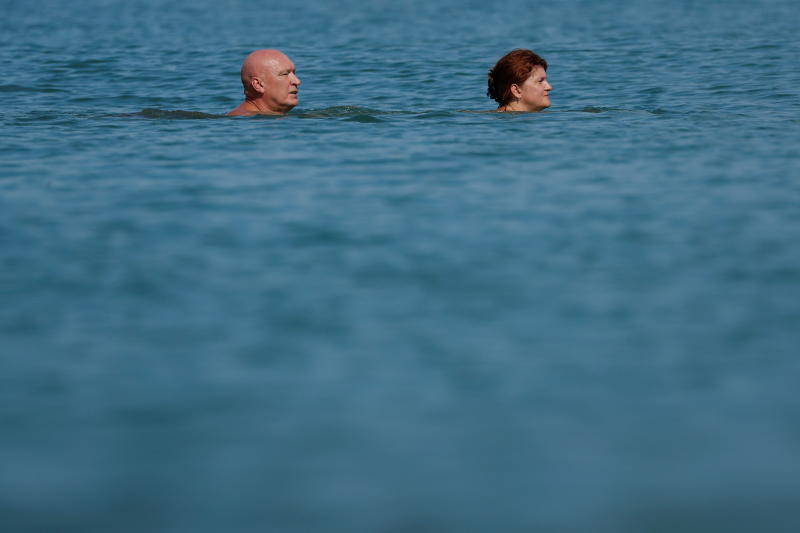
(296, 80)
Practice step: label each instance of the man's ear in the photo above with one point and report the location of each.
(257, 86)
(516, 91)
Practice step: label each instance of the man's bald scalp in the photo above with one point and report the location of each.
(255, 63)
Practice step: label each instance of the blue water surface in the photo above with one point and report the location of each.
(394, 310)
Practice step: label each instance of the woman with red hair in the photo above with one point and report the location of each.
(518, 82)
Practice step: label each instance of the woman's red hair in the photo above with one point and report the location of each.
(513, 68)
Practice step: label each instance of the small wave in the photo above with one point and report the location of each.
(342, 111)
(366, 119)
(597, 109)
(434, 114)
(364, 114)
(175, 115)
(590, 109)
(13, 89)
(88, 64)
(653, 90)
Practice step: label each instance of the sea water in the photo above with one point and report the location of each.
(394, 310)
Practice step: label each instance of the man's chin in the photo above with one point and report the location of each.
(288, 106)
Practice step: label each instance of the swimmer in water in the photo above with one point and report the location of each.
(518, 82)
(270, 84)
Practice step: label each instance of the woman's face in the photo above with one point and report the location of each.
(534, 93)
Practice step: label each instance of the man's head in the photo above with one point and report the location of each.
(269, 81)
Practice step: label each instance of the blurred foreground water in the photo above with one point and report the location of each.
(389, 310)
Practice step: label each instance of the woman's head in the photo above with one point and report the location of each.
(509, 80)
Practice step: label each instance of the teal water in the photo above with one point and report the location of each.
(392, 310)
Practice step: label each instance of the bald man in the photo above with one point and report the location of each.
(270, 84)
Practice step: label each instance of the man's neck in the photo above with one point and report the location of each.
(257, 106)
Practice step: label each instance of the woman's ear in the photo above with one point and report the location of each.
(516, 91)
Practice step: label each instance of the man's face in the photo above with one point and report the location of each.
(280, 84)
(535, 90)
